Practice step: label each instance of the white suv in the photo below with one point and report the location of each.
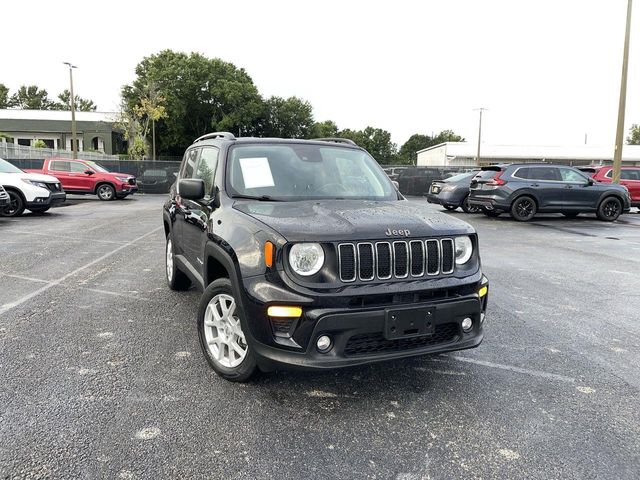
(28, 190)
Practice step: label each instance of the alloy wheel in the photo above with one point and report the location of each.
(224, 336)
(105, 192)
(611, 209)
(169, 259)
(524, 208)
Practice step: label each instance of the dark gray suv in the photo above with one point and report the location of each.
(526, 189)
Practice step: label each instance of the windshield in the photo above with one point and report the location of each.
(97, 166)
(6, 167)
(305, 171)
(461, 176)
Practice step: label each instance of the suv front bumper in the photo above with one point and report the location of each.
(358, 335)
(51, 200)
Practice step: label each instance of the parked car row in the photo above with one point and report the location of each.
(523, 190)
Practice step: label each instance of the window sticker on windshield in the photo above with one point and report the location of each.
(256, 172)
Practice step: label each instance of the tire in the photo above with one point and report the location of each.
(571, 214)
(106, 192)
(176, 280)
(222, 337)
(523, 208)
(449, 207)
(469, 208)
(16, 205)
(491, 213)
(609, 209)
(39, 211)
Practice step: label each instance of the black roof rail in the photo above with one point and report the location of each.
(336, 140)
(206, 136)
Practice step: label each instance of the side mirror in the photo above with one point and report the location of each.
(590, 181)
(89, 172)
(191, 188)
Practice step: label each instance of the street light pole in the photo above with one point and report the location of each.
(617, 154)
(481, 109)
(74, 141)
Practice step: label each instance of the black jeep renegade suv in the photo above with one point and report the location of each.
(310, 258)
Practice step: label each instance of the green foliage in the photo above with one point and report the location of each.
(4, 96)
(408, 151)
(376, 141)
(39, 144)
(201, 95)
(326, 129)
(138, 148)
(634, 135)
(287, 118)
(31, 97)
(81, 104)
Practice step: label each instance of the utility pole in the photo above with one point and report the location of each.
(481, 109)
(74, 141)
(153, 136)
(617, 154)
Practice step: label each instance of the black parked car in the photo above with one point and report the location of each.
(453, 192)
(526, 189)
(310, 258)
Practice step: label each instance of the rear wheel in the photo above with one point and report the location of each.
(469, 208)
(610, 209)
(222, 338)
(106, 192)
(175, 278)
(523, 209)
(16, 205)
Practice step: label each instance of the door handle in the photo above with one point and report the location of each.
(568, 186)
(535, 184)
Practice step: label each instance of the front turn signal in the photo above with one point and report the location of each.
(483, 291)
(269, 248)
(280, 311)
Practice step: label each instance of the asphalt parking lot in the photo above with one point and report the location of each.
(102, 376)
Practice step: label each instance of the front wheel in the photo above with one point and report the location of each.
(469, 208)
(222, 338)
(610, 209)
(16, 205)
(523, 209)
(106, 192)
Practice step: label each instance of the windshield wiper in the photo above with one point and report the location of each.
(261, 198)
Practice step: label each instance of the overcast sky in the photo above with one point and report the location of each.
(548, 70)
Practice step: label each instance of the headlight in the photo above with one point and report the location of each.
(35, 183)
(306, 258)
(123, 179)
(464, 249)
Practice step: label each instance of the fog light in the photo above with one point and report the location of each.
(323, 343)
(467, 324)
(282, 311)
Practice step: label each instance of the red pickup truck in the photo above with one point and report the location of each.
(85, 176)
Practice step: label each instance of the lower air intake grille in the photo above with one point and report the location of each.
(373, 343)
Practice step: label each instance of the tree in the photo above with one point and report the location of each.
(326, 129)
(634, 135)
(39, 144)
(376, 141)
(4, 96)
(200, 95)
(287, 118)
(32, 98)
(81, 104)
(408, 153)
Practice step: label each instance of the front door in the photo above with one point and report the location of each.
(82, 181)
(579, 193)
(197, 212)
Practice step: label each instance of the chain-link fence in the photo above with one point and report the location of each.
(14, 151)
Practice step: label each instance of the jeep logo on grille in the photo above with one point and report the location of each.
(397, 233)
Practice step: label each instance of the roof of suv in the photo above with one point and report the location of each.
(226, 137)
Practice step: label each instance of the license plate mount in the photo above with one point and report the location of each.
(409, 322)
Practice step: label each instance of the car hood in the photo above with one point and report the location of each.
(37, 177)
(335, 220)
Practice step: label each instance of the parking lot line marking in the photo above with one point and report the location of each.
(64, 237)
(8, 306)
(117, 294)
(511, 368)
(22, 277)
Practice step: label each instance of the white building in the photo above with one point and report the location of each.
(464, 153)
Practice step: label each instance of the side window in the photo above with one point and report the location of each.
(609, 174)
(77, 167)
(569, 175)
(631, 174)
(59, 166)
(544, 173)
(206, 170)
(191, 157)
(522, 173)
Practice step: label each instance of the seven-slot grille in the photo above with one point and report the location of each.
(401, 259)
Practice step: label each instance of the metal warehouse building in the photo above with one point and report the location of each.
(96, 131)
(464, 154)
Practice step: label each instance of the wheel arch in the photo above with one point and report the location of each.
(11, 188)
(607, 195)
(104, 182)
(526, 193)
